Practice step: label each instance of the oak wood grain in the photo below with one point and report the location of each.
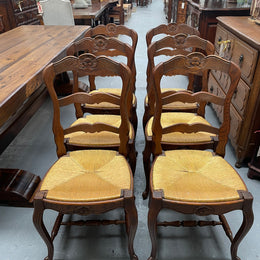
(24, 52)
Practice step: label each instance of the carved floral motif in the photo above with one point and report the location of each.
(88, 62)
(100, 43)
(195, 60)
(204, 211)
(111, 28)
(172, 27)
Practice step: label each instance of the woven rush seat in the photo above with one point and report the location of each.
(87, 175)
(103, 138)
(195, 177)
(182, 106)
(171, 118)
(103, 105)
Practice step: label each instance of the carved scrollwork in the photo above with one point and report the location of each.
(195, 60)
(100, 43)
(172, 27)
(180, 39)
(88, 62)
(111, 28)
(82, 210)
(204, 211)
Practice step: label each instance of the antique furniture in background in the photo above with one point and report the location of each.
(238, 40)
(17, 187)
(18, 12)
(202, 14)
(196, 182)
(25, 51)
(255, 11)
(254, 165)
(57, 12)
(176, 11)
(97, 13)
(2, 28)
(87, 182)
(116, 13)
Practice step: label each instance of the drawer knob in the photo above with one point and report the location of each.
(241, 59)
(211, 89)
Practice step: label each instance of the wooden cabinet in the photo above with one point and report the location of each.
(202, 14)
(18, 12)
(239, 40)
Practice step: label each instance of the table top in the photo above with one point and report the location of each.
(93, 11)
(24, 53)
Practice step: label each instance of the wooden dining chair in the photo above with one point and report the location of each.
(196, 182)
(85, 182)
(122, 32)
(193, 64)
(167, 47)
(116, 13)
(101, 45)
(169, 29)
(104, 140)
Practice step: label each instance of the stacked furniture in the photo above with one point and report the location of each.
(238, 39)
(17, 13)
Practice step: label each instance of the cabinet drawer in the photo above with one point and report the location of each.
(221, 35)
(245, 56)
(235, 118)
(24, 4)
(235, 126)
(214, 88)
(26, 17)
(240, 97)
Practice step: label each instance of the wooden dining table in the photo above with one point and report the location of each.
(98, 11)
(24, 53)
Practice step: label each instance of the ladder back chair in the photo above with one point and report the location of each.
(85, 182)
(177, 140)
(167, 47)
(101, 45)
(124, 33)
(169, 29)
(116, 13)
(196, 182)
(103, 139)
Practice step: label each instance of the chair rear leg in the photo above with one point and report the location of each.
(134, 119)
(132, 154)
(147, 166)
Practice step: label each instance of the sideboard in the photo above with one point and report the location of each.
(202, 14)
(238, 39)
(18, 12)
